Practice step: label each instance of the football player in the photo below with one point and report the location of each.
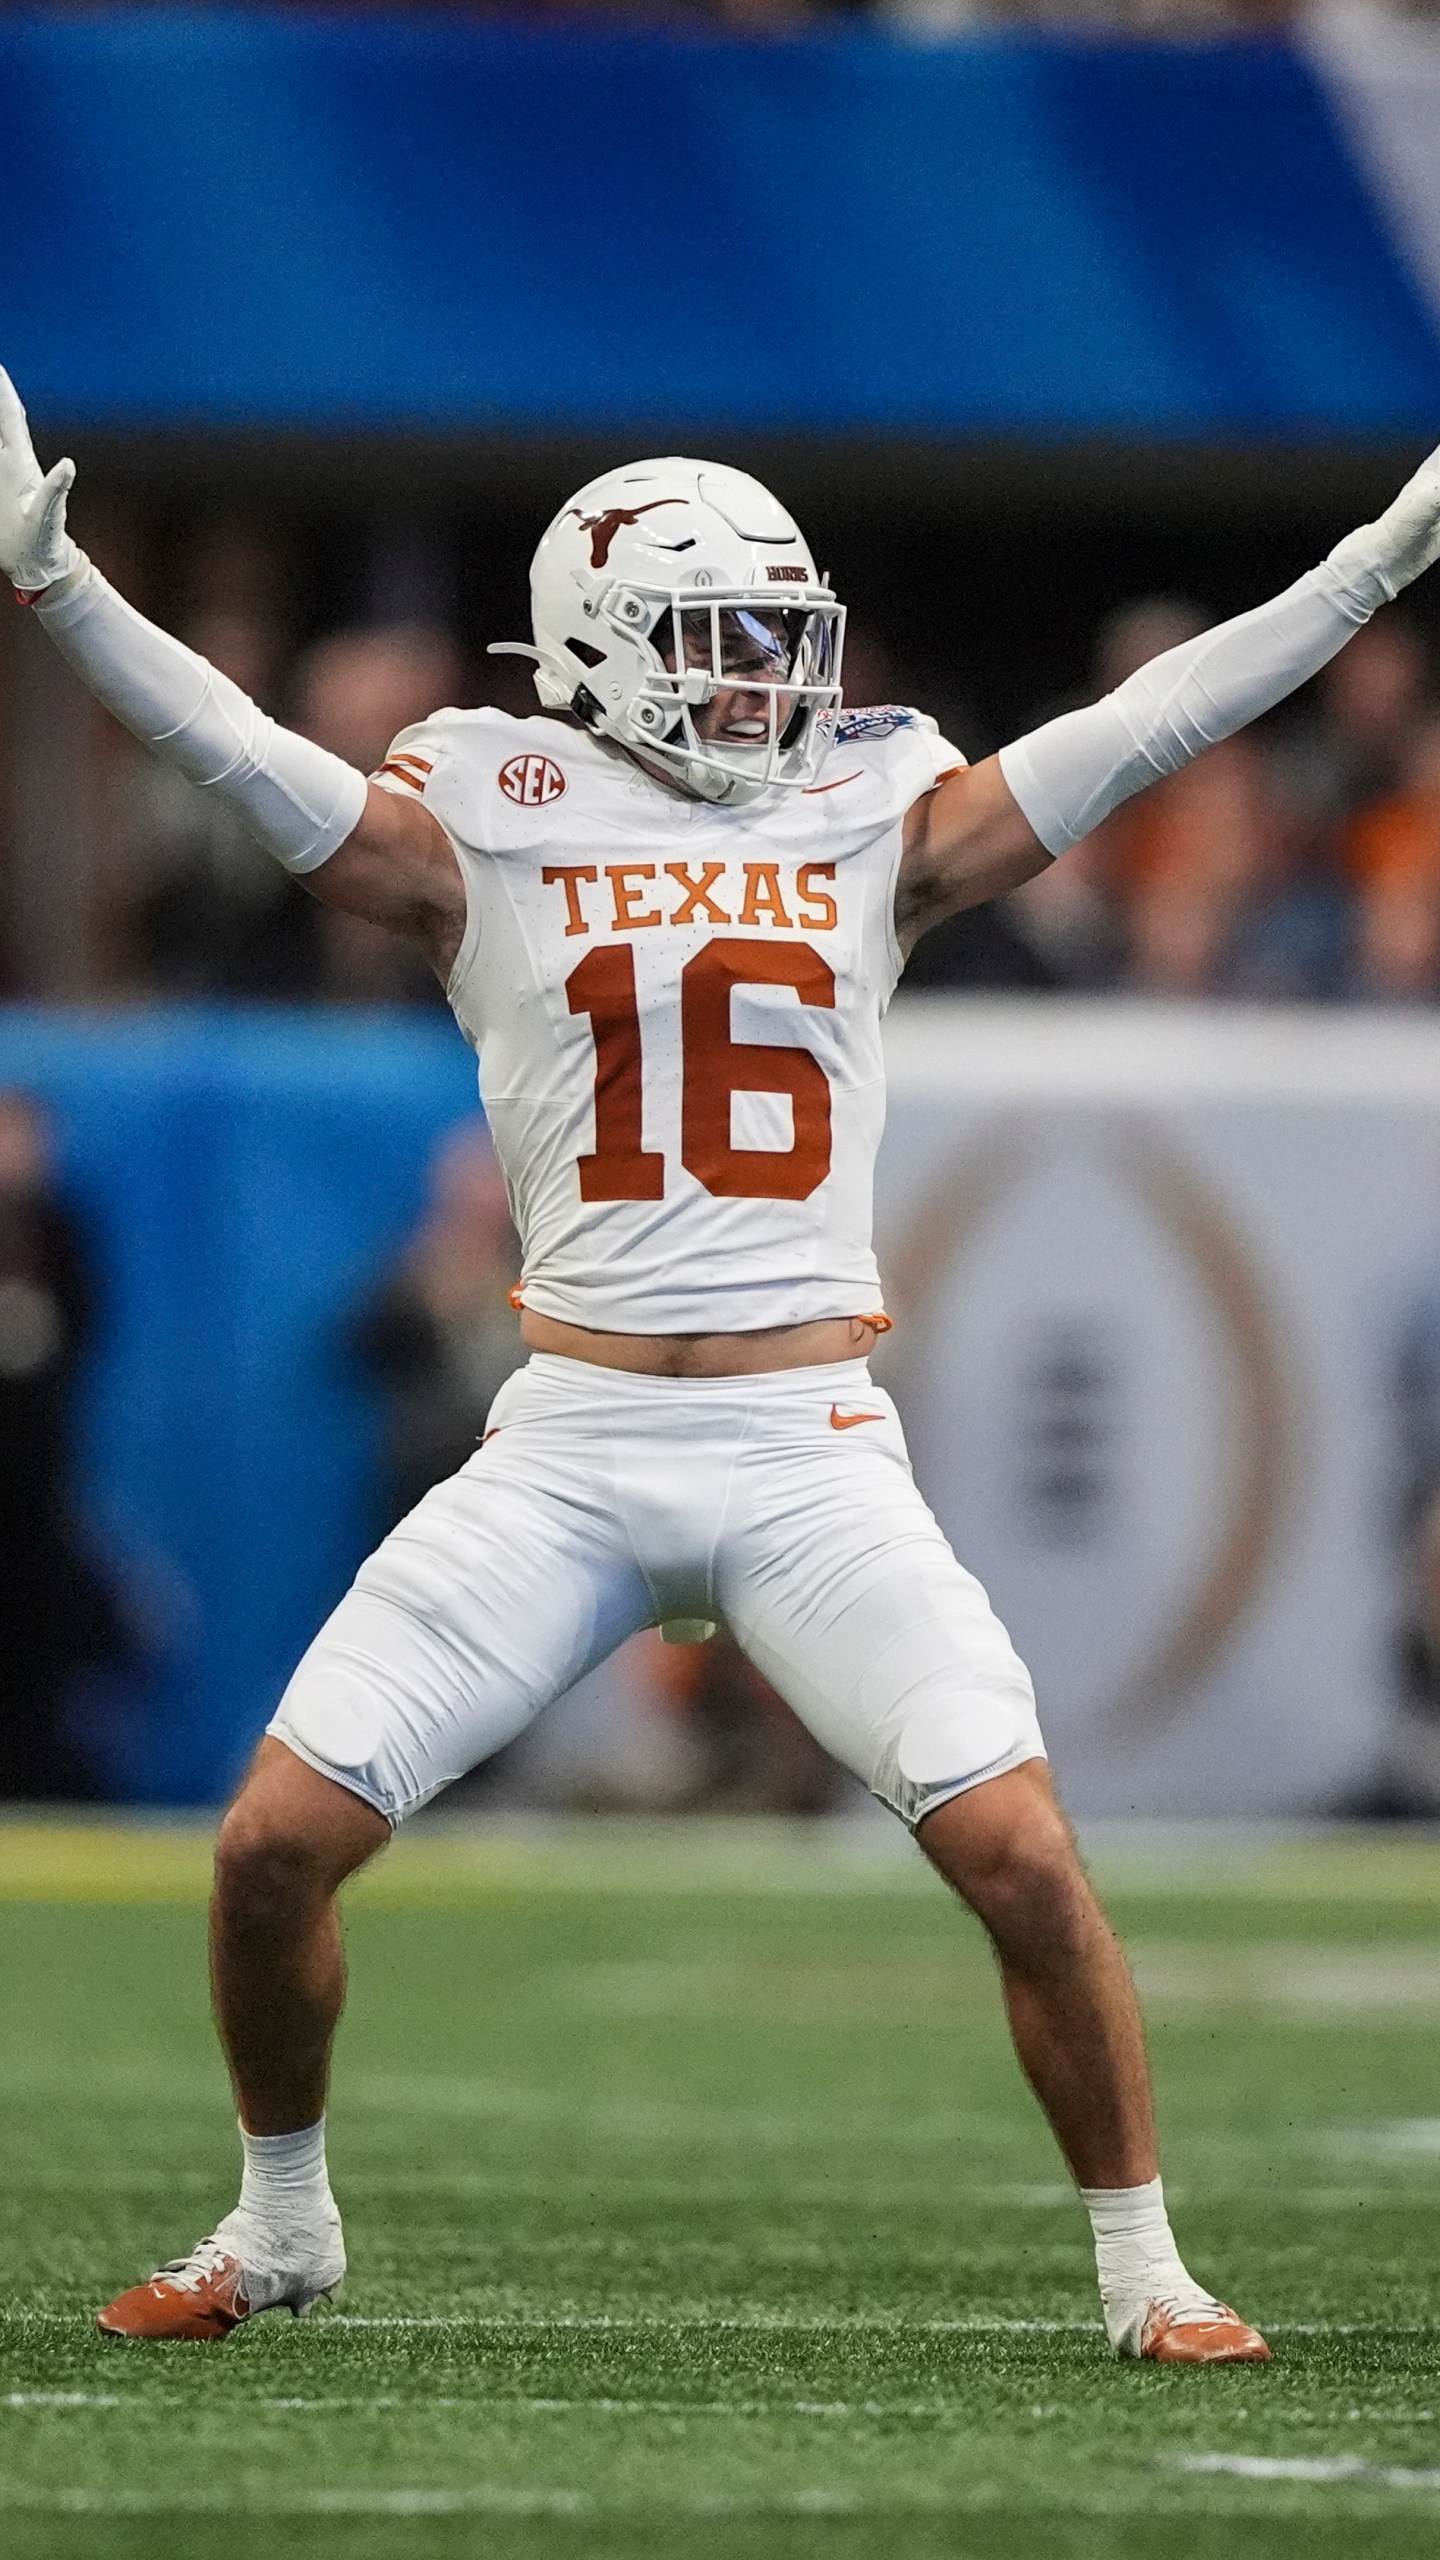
(668, 913)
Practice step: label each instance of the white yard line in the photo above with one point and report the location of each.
(823, 2321)
(646, 2320)
(1324, 2469)
(71, 2400)
(465, 2324)
(526, 2404)
(502, 2404)
(1408, 2138)
(485, 2499)
(300, 2502)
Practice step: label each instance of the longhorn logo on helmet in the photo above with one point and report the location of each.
(602, 529)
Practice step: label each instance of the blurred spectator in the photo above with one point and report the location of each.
(57, 1617)
(1341, 922)
(1180, 869)
(441, 1336)
(353, 693)
(1391, 853)
(1187, 859)
(1299, 860)
(1188, 864)
(985, 946)
(1352, 740)
(211, 915)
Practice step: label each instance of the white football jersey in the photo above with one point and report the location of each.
(676, 1009)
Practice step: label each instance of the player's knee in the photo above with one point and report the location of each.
(1007, 1847)
(288, 1840)
(266, 1867)
(1032, 1874)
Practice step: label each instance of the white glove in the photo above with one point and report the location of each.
(1400, 545)
(35, 548)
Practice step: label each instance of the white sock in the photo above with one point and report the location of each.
(1136, 2258)
(285, 2230)
(285, 2190)
(285, 2176)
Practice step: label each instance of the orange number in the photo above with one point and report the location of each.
(717, 1066)
(604, 987)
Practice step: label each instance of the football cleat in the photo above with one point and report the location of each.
(1199, 2333)
(209, 2293)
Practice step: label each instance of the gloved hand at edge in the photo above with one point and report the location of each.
(35, 549)
(1403, 542)
(297, 799)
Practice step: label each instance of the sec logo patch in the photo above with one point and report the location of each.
(532, 780)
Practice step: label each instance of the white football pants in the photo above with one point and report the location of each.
(598, 1503)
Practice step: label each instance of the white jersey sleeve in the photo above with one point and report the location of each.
(676, 1009)
(429, 762)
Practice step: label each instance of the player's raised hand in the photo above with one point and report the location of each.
(35, 548)
(1405, 541)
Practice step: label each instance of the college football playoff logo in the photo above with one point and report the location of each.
(533, 781)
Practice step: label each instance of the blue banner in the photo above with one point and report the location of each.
(222, 218)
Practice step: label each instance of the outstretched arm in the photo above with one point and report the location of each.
(990, 828)
(353, 845)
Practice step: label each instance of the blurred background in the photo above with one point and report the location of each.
(1065, 330)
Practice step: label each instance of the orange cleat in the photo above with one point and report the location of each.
(202, 2296)
(1210, 2333)
(209, 2293)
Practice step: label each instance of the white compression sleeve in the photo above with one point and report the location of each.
(1072, 773)
(298, 800)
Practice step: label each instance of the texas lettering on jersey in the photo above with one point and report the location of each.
(638, 895)
(676, 1010)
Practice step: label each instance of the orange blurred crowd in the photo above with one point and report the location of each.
(1299, 860)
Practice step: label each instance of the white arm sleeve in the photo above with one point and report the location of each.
(1072, 773)
(298, 800)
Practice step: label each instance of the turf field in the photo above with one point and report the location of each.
(695, 2209)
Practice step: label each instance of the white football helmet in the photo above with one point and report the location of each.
(666, 582)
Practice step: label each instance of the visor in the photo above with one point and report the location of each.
(784, 657)
(750, 643)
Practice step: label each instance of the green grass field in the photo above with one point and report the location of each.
(695, 2207)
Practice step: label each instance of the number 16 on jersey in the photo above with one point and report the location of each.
(715, 1066)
